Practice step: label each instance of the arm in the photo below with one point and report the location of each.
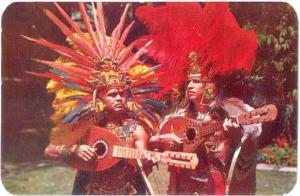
(168, 139)
(235, 107)
(141, 143)
(161, 140)
(83, 152)
(140, 138)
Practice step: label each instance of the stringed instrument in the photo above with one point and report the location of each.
(110, 150)
(195, 132)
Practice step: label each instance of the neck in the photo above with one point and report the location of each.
(201, 108)
(113, 118)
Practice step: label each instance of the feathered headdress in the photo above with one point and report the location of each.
(189, 40)
(92, 63)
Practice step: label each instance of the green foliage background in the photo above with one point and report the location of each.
(274, 77)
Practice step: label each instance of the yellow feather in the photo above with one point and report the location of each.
(65, 92)
(62, 108)
(138, 69)
(65, 134)
(53, 86)
(61, 104)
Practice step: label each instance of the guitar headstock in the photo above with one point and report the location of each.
(180, 159)
(263, 114)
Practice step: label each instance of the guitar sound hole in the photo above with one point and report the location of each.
(190, 134)
(101, 148)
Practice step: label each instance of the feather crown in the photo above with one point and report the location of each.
(210, 36)
(93, 62)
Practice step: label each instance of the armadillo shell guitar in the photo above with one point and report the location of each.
(103, 141)
(192, 131)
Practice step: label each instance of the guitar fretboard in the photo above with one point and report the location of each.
(211, 128)
(177, 159)
(132, 153)
(259, 115)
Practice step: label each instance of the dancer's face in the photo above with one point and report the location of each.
(195, 89)
(198, 90)
(114, 100)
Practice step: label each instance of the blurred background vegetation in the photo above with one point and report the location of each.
(26, 106)
(274, 78)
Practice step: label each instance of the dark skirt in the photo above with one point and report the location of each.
(121, 179)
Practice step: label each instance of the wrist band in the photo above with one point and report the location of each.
(63, 150)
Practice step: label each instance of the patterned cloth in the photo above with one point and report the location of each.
(122, 179)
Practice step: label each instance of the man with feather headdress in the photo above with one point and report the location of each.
(200, 46)
(98, 81)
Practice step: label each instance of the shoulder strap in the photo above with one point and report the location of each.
(172, 181)
(233, 163)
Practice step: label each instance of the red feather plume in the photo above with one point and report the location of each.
(212, 32)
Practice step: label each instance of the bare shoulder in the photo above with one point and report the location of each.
(139, 130)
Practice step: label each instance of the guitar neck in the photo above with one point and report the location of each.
(211, 128)
(171, 158)
(259, 115)
(131, 153)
